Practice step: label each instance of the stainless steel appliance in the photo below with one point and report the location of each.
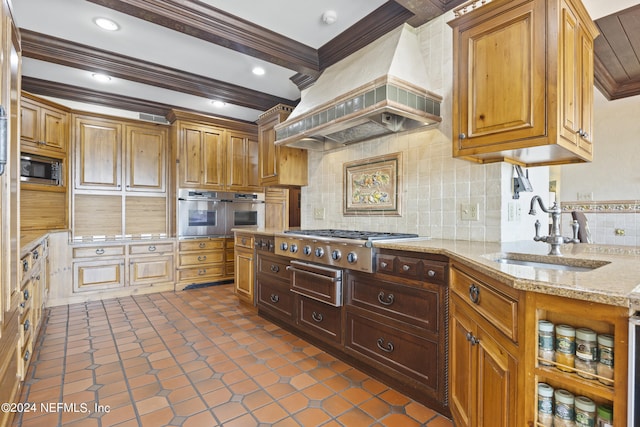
(40, 170)
(633, 418)
(201, 213)
(339, 248)
(245, 210)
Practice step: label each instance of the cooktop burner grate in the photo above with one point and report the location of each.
(351, 234)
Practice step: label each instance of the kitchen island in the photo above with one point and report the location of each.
(494, 305)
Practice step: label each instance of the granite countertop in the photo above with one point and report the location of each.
(617, 282)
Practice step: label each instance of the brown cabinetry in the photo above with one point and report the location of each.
(242, 162)
(201, 261)
(486, 351)
(272, 282)
(44, 126)
(523, 82)
(120, 170)
(602, 319)
(151, 264)
(279, 166)
(244, 267)
(201, 156)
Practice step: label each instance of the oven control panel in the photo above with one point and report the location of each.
(344, 255)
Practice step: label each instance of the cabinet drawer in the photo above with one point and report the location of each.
(201, 258)
(273, 266)
(495, 303)
(151, 270)
(93, 251)
(412, 268)
(408, 354)
(275, 297)
(201, 274)
(150, 248)
(417, 306)
(26, 326)
(244, 241)
(320, 319)
(199, 245)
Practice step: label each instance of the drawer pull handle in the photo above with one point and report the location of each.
(388, 300)
(274, 298)
(35, 254)
(406, 268)
(202, 245)
(386, 348)
(275, 268)
(202, 258)
(474, 294)
(26, 355)
(473, 340)
(22, 305)
(152, 248)
(99, 251)
(26, 294)
(25, 265)
(202, 272)
(244, 241)
(383, 264)
(318, 317)
(26, 325)
(431, 273)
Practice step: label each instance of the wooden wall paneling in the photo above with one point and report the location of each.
(145, 215)
(97, 215)
(43, 210)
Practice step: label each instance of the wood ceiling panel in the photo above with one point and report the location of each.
(617, 54)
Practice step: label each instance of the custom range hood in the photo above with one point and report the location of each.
(378, 90)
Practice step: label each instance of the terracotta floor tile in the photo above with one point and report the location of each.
(196, 358)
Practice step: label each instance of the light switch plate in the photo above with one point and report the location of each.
(318, 213)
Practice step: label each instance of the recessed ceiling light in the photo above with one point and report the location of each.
(218, 104)
(106, 24)
(102, 78)
(258, 71)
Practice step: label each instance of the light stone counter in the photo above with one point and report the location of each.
(616, 283)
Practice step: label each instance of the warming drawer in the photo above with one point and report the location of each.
(317, 282)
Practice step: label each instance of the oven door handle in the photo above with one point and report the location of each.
(320, 276)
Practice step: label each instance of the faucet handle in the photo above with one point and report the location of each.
(537, 225)
(575, 238)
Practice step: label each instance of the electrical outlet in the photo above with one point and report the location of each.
(587, 196)
(469, 212)
(514, 212)
(318, 213)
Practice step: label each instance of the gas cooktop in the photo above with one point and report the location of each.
(351, 234)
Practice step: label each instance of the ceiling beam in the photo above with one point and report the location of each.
(75, 55)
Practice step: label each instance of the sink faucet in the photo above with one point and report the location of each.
(555, 239)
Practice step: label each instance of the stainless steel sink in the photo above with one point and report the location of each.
(549, 262)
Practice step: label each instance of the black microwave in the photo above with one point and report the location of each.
(40, 170)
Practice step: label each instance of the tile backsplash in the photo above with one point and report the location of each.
(610, 222)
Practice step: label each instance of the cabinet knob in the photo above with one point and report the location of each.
(462, 136)
(26, 355)
(406, 268)
(473, 340)
(27, 324)
(25, 265)
(431, 273)
(383, 264)
(474, 293)
(26, 295)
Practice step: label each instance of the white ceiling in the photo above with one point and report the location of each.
(296, 19)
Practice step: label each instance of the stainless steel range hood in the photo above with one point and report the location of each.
(378, 90)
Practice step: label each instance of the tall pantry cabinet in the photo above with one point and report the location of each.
(10, 339)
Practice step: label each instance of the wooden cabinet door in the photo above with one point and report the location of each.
(267, 149)
(146, 153)
(569, 78)
(98, 163)
(202, 159)
(151, 270)
(244, 274)
(585, 46)
(54, 129)
(96, 275)
(213, 157)
(462, 366)
(496, 390)
(236, 162)
(29, 122)
(500, 88)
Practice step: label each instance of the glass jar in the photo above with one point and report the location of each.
(545, 405)
(585, 412)
(545, 342)
(565, 412)
(586, 353)
(605, 359)
(605, 416)
(565, 347)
